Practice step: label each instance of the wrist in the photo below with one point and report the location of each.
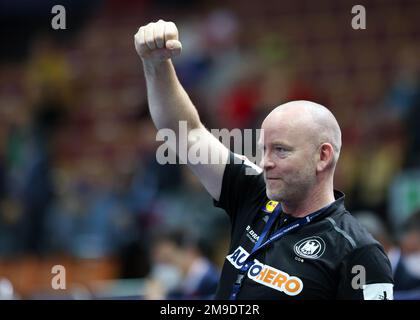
(153, 66)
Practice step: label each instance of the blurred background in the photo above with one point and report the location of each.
(79, 182)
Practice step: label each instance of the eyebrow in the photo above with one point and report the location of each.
(282, 144)
(275, 143)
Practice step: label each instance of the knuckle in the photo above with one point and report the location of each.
(138, 33)
(149, 28)
(171, 34)
(172, 25)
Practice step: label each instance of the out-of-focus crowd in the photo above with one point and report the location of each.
(79, 181)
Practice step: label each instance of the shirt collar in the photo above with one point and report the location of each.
(337, 205)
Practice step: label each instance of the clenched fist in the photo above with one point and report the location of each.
(157, 41)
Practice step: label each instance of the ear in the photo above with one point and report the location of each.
(326, 155)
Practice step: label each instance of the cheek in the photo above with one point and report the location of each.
(297, 170)
(289, 167)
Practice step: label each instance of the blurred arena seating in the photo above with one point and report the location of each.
(79, 183)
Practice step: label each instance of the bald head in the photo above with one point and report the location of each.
(313, 122)
(301, 143)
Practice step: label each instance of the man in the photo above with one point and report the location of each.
(180, 251)
(291, 235)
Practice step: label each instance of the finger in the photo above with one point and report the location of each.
(149, 36)
(143, 46)
(139, 40)
(159, 34)
(143, 39)
(171, 32)
(175, 47)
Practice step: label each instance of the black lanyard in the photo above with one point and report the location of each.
(262, 244)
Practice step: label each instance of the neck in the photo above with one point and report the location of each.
(311, 203)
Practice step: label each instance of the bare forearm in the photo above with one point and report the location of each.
(157, 43)
(168, 101)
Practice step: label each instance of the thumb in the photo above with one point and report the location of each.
(174, 46)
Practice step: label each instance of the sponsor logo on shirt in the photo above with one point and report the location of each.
(310, 248)
(265, 274)
(251, 234)
(270, 206)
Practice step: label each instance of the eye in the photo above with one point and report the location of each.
(280, 149)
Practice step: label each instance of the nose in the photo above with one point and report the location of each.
(266, 162)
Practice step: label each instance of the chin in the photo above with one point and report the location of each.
(273, 195)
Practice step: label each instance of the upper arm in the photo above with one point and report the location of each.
(207, 159)
(366, 274)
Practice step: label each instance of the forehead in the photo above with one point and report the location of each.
(285, 127)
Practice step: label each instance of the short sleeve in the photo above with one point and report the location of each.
(365, 274)
(241, 177)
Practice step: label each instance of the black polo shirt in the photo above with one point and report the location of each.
(333, 257)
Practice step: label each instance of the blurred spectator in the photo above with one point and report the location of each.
(180, 269)
(189, 206)
(412, 156)
(92, 218)
(410, 250)
(404, 89)
(402, 102)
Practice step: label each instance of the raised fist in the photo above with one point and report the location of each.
(157, 41)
